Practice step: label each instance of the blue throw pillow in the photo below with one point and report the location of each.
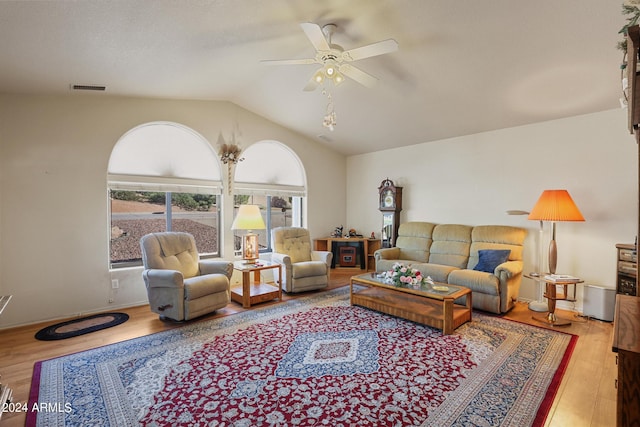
(489, 259)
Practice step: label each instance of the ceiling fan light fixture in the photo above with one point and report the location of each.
(338, 78)
(318, 77)
(330, 70)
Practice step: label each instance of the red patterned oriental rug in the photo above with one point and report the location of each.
(311, 361)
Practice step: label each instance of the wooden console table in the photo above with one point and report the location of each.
(369, 246)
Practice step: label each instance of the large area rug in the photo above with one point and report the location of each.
(310, 361)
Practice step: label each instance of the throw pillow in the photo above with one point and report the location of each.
(489, 259)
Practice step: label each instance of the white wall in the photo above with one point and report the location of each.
(475, 179)
(54, 233)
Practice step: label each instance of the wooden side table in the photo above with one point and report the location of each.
(250, 293)
(552, 296)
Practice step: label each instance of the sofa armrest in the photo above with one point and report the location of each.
(509, 269)
(387, 253)
(324, 256)
(155, 278)
(216, 266)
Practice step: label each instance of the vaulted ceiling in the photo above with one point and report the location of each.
(462, 67)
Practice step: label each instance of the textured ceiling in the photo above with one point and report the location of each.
(463, 67)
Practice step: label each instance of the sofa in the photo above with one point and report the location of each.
(485, 258)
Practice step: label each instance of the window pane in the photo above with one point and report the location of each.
(276, 212)
(136, 213)
(196, 214)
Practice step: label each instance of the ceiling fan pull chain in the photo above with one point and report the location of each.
(330, 119)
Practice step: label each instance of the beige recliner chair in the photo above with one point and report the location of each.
(302, 268)
(180, 286)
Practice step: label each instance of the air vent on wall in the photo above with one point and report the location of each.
(96, 88)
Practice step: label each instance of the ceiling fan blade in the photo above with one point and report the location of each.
(311, 85)
(315, 35)
(316, 79)
(289, 61)
(358, 75)
(374, 49)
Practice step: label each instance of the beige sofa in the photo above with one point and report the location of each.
(449, 252)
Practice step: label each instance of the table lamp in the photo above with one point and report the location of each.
(249, 218)
(554, 206)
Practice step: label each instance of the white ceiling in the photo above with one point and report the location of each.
(463, 67)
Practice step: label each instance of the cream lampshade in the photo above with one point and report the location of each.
(553, 206)
(249, 218)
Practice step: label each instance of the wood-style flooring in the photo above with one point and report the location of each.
(586, 397)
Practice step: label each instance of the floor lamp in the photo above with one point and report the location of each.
(554, 206)
(539, 305)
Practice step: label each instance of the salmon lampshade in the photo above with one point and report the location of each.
(555, 205)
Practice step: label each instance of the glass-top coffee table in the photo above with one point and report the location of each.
(432, 305)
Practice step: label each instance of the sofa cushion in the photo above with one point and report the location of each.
(414, 240)
(293, 241)
(450, 245)
(477, 281)
(496, 237)
(308, 269)
(489, 259)
(438, 272)
(200, 286)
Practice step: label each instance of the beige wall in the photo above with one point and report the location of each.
(475, 179)
(54, 153)
(53, 201)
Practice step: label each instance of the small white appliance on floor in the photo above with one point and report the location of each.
(599, 302)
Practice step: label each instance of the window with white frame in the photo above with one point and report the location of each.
(272, 177)
(162, 177)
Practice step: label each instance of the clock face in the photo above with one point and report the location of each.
(388, 200)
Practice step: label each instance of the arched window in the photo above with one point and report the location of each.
(162, 177)
(272, 176)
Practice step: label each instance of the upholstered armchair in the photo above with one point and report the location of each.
(180, 286)
(303, 269)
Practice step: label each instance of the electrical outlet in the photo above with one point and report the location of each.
(115, 284)
(110, 300)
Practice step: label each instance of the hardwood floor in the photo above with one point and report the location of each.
(586, 397)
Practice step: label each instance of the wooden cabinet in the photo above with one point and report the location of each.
(627, 344)
(627, 269)
(368, 247)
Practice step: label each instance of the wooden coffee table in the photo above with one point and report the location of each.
(425, 305)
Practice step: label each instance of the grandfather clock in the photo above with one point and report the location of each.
(390, 204)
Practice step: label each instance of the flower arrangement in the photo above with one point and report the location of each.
(405, 275)
(230, 153)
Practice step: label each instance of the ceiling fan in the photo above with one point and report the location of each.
(334, 60)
